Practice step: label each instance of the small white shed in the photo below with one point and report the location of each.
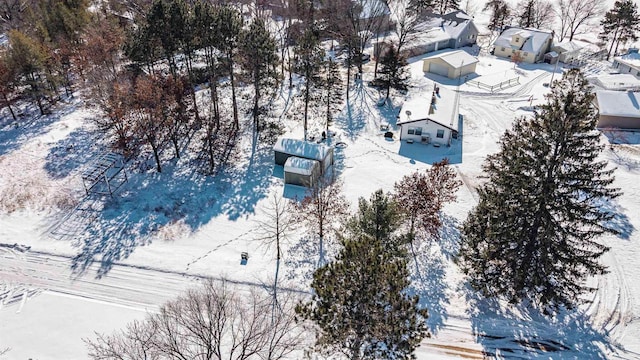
(300, 171)
(284, 148)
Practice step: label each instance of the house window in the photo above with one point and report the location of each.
(440, 134)
(517, 39)
(513, 51)
(526, 54)
(501, 49)
(414, 131)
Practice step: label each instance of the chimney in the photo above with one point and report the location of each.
(437, 90)
(433, 98)
(431, 109)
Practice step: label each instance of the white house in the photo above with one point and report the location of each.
(618, 109)
(629, 63)
(530, 44)
(437, 32)
(430, 120)
(450, 64)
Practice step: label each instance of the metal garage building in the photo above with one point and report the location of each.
(302, 172)
(285, 148)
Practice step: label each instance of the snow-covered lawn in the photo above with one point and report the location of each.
(100, 263)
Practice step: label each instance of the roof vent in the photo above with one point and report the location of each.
(408, 112)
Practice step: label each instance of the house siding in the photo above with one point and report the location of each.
(624, 68)
(453, 73)
(429, 128)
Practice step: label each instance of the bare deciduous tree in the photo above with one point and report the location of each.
(278, 223)
(576, 16)
(212, 322)
(320, 209)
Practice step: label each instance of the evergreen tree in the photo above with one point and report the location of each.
(28, 59)
(499, 14)
(620, 25)
(308, 63)
(259, 59)
(533, 235)
(360, 302)
(229, 28)
(332, 92)
(393, 72)
(379, 217)
(7, 82)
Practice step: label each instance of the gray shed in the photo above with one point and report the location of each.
(302, 172)
(285, 148)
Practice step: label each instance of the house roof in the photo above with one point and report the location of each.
(631, 59)
(445, 114)
(567, 46)
(436, 27)
(619, 103)
(616, 81)
(302, 148)
(535, 39)
(300, 166)
(456, 59)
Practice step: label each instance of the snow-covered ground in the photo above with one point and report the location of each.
(101, 263)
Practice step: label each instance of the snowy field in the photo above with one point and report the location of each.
(104, 262)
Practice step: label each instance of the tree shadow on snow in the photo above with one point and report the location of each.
(178, 195)
(620, 221)
(428, 273)
(73, 152)
(353, 118)
(518, 331)
(30, 124)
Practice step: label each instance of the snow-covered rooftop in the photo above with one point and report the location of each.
(445, 114)
(567, 46)
(456, 59)
(535, 39)
(302, 148)
(619, 103)
(616, 81)
(436, 28)
(301, 166)
(631, 59)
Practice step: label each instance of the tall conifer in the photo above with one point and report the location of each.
(534, 234)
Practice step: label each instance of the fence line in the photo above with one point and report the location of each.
(503, 85)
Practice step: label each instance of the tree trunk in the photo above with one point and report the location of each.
(156, 155)
(613, 41)
(233, 91)
(306, 107)
(6, 100)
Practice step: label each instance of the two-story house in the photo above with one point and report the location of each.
(529, 44)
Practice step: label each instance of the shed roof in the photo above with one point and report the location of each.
(535, 41)
(300, 166)
(567, 46)
(619, 103)
(456, 59)
(445, 114)
(301, 148)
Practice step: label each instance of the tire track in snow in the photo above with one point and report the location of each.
(611, 303)
(137, 287)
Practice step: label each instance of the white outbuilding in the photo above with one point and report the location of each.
(302, 172)
(285, 148)
(453, 64)
(618, 109)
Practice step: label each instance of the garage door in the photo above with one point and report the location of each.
(438, 69)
